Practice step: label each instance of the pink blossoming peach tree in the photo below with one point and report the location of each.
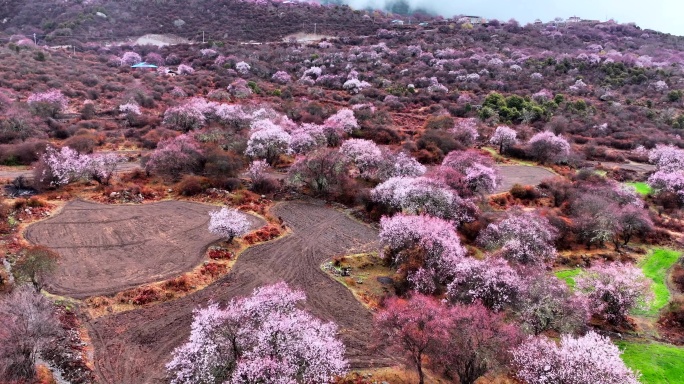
(262, 338)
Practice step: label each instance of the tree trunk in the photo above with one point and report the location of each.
(419, 366)
(36, 284)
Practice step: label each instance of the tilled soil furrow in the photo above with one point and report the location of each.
(105, 249)
(148, 335)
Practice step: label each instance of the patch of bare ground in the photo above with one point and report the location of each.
(109, 248)
(521, 174)
(132, 347)
(365, 275)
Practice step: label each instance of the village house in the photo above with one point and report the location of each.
(473, 20)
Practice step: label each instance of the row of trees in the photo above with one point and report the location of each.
(465, 342)
(266, 338)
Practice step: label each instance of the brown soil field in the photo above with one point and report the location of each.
(521, 174)
(105, 249)
(132, 347)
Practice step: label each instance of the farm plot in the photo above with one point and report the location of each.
(132, 347)
(109, 248)
(521, 174)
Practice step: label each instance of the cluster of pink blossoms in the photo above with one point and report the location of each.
(589, 359)
(64, 166)
(263, 338)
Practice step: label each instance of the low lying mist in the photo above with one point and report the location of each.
(444, 8)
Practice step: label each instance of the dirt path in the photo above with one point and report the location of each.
(521, 174)
(109, 248)
(12, 173)
(631, 166)
(132, 347)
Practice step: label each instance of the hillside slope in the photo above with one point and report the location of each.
(219, 19)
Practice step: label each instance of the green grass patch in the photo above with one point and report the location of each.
(491, 151)
(658, 363)
(568, 275)
(641, 188)
(655, 267)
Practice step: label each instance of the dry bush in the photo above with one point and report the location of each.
(220, 254)
(524, 192)
(179, 284)
(31, 202)
(82, 143)
(24, 153)
(145, 295)
(191, 185)
(671, 323)
(266, 233)
(265, 185)
(213, 269)
(98, 302)
(439, 122)
(678, 277)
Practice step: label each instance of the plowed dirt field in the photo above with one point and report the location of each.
(106, 249)
(132, 347)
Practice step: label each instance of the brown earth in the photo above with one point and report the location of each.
(105, 249)
(631, 166)
(521, 174)
(132, 347)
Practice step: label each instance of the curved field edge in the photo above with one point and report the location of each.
(656, 266)
(132, 346)
(658, 363)
(99, 306)
(107, 229)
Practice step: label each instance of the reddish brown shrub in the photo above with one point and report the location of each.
(265, 185)
(220, 254)
(82, 143)
(146, 295)
(678, 277)
(221, 165)
(154, 136)
(672, 322)
(213, 269)
(191, 185)
(524, 192)
(439, 122)
(23, 153)
(180, 284)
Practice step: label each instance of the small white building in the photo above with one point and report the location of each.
(474, 20)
